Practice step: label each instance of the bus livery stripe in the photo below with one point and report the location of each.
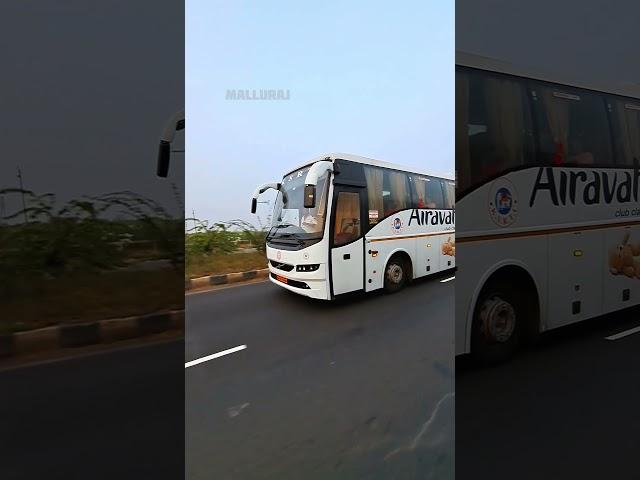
(405, 237)
(552, 231)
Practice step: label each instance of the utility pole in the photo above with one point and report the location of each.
(193, 215)
(24, 205)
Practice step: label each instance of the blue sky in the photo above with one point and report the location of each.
(368, 78)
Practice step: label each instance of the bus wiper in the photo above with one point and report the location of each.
(293, 236)
(275, 227)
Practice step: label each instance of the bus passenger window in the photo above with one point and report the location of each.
(573, 127)
(396, 185)
(493, 126)
(626, 121)
(347, 222)
(450, 200)
(428, 192)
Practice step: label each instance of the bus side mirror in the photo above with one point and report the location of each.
(254, 205)
(164, 154)
(175, 124)
(309, 196)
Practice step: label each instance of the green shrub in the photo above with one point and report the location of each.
(46, 240)
(203, 242)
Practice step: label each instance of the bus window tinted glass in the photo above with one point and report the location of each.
(374, 179)
(388, 192)
(626, 120)
(428, 192)
(493, 126)
(347, 223)
(395, 192)
(450, 200)
(573, 126)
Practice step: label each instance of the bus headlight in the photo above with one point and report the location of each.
(308, 268)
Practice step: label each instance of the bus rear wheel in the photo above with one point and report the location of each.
(396, 274)
(500, 317)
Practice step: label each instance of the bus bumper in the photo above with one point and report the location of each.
(300, 284)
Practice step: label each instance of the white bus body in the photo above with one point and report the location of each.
(549, 200)
(373, 225)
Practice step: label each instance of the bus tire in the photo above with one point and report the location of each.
(396, 274)
(500, 320)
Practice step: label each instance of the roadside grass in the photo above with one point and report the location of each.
(223, 247)
(114, 255)
(221, 263)
(117, 254)
(84, 297)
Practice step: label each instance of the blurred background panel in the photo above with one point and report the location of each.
(91, 240)
(547, 150)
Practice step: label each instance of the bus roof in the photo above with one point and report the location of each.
(500, 66)
(368, 161)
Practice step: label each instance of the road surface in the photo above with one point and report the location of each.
(359, 388)
(103, 416)
(567, 408)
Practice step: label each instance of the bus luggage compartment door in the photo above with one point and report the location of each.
(621, 268)
(575, 277)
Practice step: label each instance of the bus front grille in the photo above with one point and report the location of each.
(281, 266)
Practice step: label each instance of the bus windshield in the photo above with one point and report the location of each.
(290, 218)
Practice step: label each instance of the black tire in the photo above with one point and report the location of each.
(502, 317)
(396, 274)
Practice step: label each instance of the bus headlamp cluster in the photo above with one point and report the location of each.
(307, 268)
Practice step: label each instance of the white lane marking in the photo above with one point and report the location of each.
(447, 279)
(626, 333)
(215, 355)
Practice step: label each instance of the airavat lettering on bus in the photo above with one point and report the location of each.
(586, 186)
(432, 217)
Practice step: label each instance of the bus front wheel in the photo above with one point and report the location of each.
(501, 315)
(396, 274)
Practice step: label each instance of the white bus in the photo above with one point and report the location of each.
(344, 223)
(547, 191)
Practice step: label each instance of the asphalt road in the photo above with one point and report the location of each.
(108, 415)
(360, 388)
(566, 408)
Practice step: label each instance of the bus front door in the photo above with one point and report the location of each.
(347, 254)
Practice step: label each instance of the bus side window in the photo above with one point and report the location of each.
(419, 192)
(463, 161)
(373, 176)
(573, 126)
(450, 200)
(493, 127)
(397, 186)
(625, 118)
(427, 193)
(347, 220)
(435, 194)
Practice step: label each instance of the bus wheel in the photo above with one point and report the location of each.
(396, 274)
(501, 314)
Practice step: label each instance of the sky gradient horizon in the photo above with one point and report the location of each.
(354, 82)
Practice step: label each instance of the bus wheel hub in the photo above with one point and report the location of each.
(498, 319)
(394, 272)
